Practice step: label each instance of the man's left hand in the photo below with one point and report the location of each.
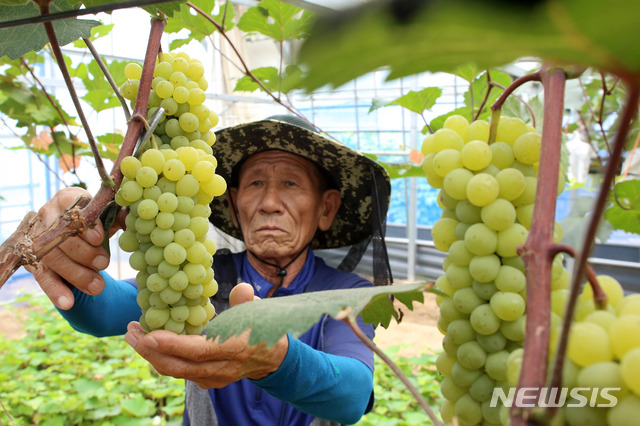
(207, 362)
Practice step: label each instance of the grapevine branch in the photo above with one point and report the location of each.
(398, 372)
(92, 10)
(581, 263)
(108, 76)
(27, 245)
(599, 296)
(240, 58)
(55, 46)
(536, 252)
(497, 105)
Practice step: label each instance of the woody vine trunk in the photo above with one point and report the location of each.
(28, 244)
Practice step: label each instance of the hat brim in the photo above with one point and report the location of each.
(351, 171)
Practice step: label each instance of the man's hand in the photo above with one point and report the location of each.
(77, 260)
(207, 362)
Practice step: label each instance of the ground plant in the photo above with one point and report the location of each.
(500, 265)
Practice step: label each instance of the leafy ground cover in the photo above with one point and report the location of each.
(57, 376)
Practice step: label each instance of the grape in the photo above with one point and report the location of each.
(623, 334)
(496, 365)
(510, 279)
(197, 315)
(510, 239)
(507, 306)
(130, 166)
(460, 331)
(478, 130)
(482, 389)
(465, 300)
(156, 318)
(471, 355)
(603, 375)
(128, 241)
(511, 183)
(203, 170)
(450, 390)
(444, 363)
(459, 253)
(483, 320)
(492, 343)
(446, 161)
(459, 276)
(467, 212)
(447, 139)
(526, 148)
(484, 268)
(482, 189)
(129, 89)
(164, 89)
(187, 185)
(529, 194)
(457, 123)
(476, 155)
(484, 290)
(480, 239)
(147, 209)
(509, 129)
(188, 121)
(195, 71)
(151, 193)
(468, 410)
(162, 237)
(455, 183)
(462, 376)
(196, 96)
(588, 344)
(131, 191)
(174, 169)
(443, 233)
(501, 155)
(626, 412)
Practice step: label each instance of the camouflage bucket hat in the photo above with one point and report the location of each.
(354, 174)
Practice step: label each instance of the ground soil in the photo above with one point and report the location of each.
(415, 334)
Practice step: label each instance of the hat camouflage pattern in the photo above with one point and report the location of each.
(350, 170)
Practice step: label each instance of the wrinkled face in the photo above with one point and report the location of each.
(280, 205)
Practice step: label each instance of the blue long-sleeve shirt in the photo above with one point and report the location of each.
(326, 373)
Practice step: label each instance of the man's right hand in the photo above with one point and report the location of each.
(76, 260)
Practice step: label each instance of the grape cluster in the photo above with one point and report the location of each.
(487, 193)
(168, 190)
(603, 352)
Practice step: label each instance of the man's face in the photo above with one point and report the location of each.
(279, 203)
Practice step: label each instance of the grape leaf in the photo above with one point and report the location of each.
(276, 19)
(19, 40)
(625, 213)
(420, 101)
(396, 171)
(412, 37)
(96, 33)
(575, 225)
(270, 319)
(197, 26)
(282, 83)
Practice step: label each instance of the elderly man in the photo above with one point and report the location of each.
(291, 190)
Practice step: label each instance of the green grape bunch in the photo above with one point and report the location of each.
(487, 194)
(167, 189)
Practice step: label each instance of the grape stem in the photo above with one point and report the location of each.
(27, 245)
(57, 52)
(496, 108)
(581, 262)
(398, 372)
(535, 251)
(599, 296)
(107, 75)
